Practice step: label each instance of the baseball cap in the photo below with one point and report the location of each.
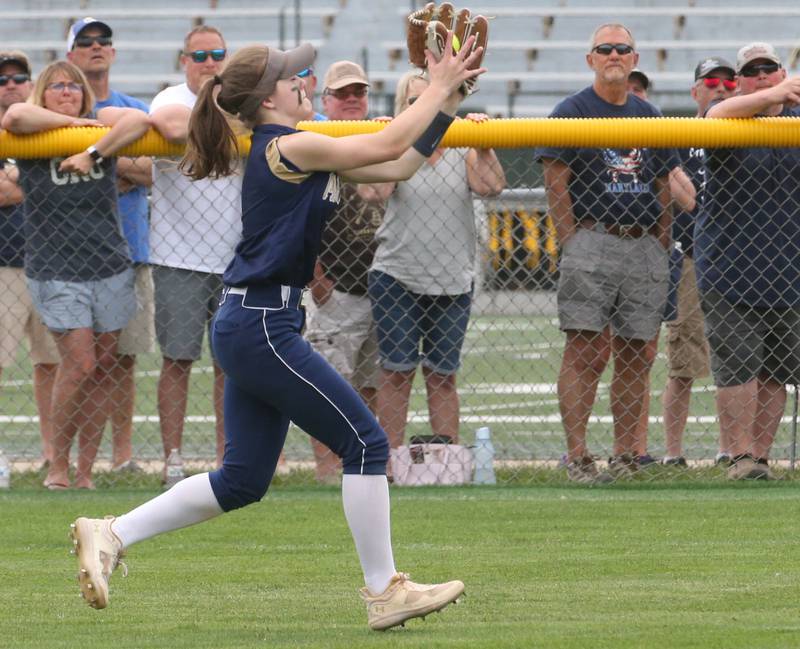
(79, 26)
(343, 73)
(709, 65)
(755, 51)
(643, 78)
(280, 65)
(16, 57)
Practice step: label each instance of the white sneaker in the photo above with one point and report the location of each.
(99, 551)
(403, 600)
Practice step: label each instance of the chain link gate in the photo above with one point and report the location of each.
(488, 316)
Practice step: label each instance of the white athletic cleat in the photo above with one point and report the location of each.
(99, 551)
(403, 600)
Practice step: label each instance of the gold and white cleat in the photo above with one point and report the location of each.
(403, 600)
(99, 551)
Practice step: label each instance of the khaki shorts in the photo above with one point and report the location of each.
(139, 337)
(18, 320)
(343, 332)
(607, 280)
(687, 347)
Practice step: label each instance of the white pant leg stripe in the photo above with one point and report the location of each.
(321, 393)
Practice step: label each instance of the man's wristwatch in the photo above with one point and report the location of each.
(94, 154)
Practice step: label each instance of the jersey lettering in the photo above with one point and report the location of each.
(66, 178)
(332, 189)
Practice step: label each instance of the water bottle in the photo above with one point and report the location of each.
(5, 471)
(483, 452)
(174, 472)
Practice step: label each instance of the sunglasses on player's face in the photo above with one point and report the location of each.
(755, 70)
(200, 56)
(713, 82)
(16, 78)
(605, 49)
(304, 74)
(88, 41)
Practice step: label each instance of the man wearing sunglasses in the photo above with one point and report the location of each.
(748, 266)
(90, 47)
(612, 211)
(18, 317)
(194, 229)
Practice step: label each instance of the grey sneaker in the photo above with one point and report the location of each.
(584, 471)
(128, 468)
(622, 466)
(403, 600)
(99, 551)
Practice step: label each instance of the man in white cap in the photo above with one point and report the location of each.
(342, 328)
(747, 253)
(90, 47)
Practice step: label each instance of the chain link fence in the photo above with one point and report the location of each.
(444, 308)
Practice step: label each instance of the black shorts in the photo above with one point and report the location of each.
(747, 342)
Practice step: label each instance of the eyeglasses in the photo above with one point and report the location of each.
(88, 41)
(713, 82)
(755, 70)
(60, 86)
(16, 78)
(344, 93)
(200, 56)
(606, 48)
(305, 73)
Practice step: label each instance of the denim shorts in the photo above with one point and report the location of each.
(102, 305)
(407, 321)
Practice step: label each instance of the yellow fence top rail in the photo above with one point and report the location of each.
(678, 132)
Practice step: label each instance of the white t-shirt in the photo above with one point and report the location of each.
(194, 225)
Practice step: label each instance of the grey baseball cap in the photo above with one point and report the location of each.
(711, 64)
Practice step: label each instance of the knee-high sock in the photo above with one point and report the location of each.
(366, 508)
(190, 501)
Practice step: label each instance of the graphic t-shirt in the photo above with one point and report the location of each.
(614, 186)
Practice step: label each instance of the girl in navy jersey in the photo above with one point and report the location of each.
(273, 376)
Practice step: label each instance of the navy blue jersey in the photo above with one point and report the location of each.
(611, 185)
(747, 239)
(693, 162)
(284, 211)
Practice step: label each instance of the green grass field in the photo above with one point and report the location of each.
(627, 566)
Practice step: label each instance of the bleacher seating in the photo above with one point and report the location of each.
(536, 53)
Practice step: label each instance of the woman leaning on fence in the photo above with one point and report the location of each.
(76, 259)
(272, 375)
(421, 279)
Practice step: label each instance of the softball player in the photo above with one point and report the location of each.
(290, 188)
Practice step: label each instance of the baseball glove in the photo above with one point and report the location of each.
(428, 27)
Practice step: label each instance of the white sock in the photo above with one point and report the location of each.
(366, 508)
(190, 501)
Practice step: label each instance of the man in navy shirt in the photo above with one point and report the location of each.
(90, 47)
(687, 347)
(748, 268)
(611, 208)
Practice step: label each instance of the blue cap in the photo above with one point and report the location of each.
(83, 23)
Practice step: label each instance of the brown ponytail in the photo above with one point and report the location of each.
(212, 145)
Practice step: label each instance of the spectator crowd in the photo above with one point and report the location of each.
(104, 257)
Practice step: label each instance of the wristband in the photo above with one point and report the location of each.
(94, 154)
(429, 140)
